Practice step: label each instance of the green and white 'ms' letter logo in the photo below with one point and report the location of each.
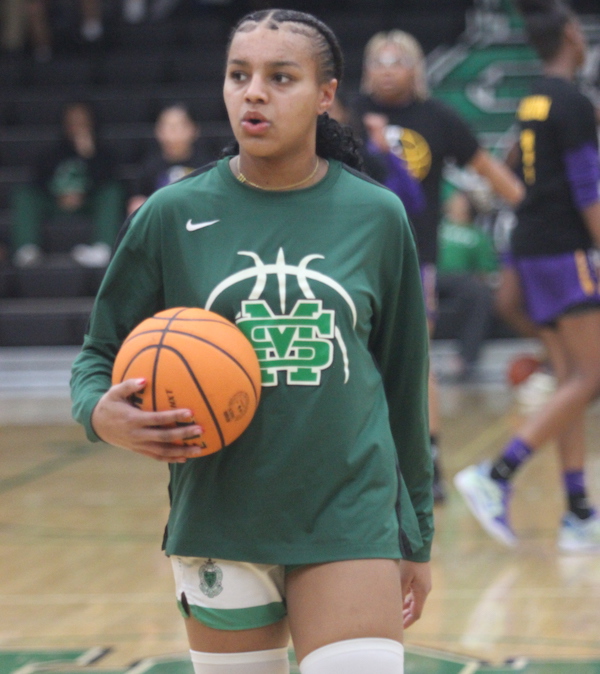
(300, 343)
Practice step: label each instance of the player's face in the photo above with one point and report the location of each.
(391, 74)
(272, 92)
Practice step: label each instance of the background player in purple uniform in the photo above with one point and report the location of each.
(558, 224)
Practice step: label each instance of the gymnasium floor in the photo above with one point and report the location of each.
(81, 569)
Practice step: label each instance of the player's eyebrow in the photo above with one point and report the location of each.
(272, 64)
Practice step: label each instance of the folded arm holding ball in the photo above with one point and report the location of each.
(120, 423)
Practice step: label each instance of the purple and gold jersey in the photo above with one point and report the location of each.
(559, 166)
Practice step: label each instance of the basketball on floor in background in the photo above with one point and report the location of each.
(198, 360)
(521, 368)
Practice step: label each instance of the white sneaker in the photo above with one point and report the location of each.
(579, 535)
(488, 500)
(97, 255)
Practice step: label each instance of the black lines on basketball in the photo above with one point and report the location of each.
(225, 353)
(199, 389)
(137, 355)
(165, 331)
(194, 359)
(161, 330)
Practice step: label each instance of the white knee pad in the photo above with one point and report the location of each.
(356, 656)
(273, 661)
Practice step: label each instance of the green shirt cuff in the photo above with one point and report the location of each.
(82, 412)
(422, 555)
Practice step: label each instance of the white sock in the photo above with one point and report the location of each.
(356, 656)
(273, 661)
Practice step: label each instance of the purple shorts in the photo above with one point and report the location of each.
(428, 282)
(507, 259)
(555, 284)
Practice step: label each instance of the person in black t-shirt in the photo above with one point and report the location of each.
(426, 134)
(558, 226)
(178, 152)
(380, 162)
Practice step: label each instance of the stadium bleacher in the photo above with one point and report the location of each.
(476, 56)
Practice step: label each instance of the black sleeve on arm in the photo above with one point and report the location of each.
(462, 144)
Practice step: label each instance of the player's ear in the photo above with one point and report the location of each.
(573, 36)
(569, 33)
(326, 95)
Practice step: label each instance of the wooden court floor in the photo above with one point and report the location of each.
(81, 566)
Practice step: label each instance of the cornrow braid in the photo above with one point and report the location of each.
(334, 141)
(331, 60)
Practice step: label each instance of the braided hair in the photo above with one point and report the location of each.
(334, 141)
(545, 21)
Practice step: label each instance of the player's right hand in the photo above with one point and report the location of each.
(118, 422)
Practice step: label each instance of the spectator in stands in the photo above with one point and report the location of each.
(467, 265)
(178, 152)
(76, 177)
(378, 159)
(12, 25)
(397, 176)
(39, 13)
(425, 133)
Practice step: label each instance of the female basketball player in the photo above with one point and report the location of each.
(425, 133)
(558, 224)
(317, 522)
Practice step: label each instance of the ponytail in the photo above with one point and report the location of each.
(335, 141)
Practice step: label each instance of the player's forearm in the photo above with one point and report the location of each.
(502, 180)
(591, 216)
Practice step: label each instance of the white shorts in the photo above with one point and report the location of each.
(228, 595)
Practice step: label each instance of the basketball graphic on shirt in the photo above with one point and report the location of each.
(297, 340)
(412, 148)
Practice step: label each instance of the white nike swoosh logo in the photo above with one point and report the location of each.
(193, 226)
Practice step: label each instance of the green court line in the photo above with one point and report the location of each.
(520, 642)
(48, 467)
(549, 667)
(17, 660)
(417, 661)
(78, 670)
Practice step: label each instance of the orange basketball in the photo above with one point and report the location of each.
(521, 368)
(194, 359)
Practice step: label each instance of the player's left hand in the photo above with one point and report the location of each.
(416, 585)
(375, 125)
